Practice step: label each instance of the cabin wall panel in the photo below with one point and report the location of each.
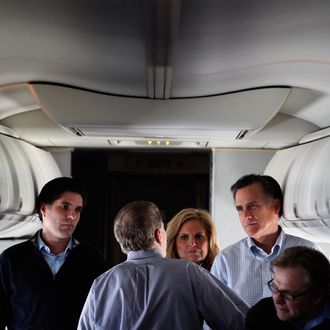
(63, 160)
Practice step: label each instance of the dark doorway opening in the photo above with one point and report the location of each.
(172, 180)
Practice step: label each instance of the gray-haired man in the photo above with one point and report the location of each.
(149, 291)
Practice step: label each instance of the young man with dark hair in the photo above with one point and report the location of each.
(44, 281)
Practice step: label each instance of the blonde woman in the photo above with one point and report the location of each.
(191, 235)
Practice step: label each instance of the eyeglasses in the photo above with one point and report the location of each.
(284, 294)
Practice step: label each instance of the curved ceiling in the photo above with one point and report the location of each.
(170, 49)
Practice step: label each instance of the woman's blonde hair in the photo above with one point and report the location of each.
(174, 226)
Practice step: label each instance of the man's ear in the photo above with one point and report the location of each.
(158, 235)
(42, 209)
(277, 206)
(317, 298)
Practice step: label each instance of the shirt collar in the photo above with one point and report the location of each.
(41, 245)
(326, 311)
(143, 254)
(325, 314)
(259, 252)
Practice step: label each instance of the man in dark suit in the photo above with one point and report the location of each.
(300, 293)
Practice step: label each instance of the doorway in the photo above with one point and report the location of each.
(172, 180)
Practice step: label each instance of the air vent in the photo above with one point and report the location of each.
(242, 134)
(76, 131)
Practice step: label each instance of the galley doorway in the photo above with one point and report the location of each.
(172, 180)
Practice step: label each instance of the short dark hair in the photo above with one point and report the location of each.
(315, 265)
(53, 190)
(135, 225)
(269, 186)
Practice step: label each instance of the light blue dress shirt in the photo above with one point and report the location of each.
(151, 292)
(54, 261)
(244, 267)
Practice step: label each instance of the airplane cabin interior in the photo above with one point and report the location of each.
(165, 99)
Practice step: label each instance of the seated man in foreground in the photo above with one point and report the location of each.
(149, 291)
(301, 293)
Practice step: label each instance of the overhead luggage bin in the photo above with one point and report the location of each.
(18, 226)
(7, 182)
(42, 165)
(299, 204)
(303, 174)
(24, 197)
(17, 191)
(280, 164)
(24, 169)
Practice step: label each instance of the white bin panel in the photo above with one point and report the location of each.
(42, 164)
(24, 196)
(8, 183)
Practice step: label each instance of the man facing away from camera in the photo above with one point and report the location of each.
(149, 291)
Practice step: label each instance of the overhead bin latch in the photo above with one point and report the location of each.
(295, 210)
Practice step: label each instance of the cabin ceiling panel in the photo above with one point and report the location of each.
(316, 111)
(172, 50)
(166, 48)
(98, 45)
(230, 45)
(105, 115)
(16, 99)
(282, 128)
